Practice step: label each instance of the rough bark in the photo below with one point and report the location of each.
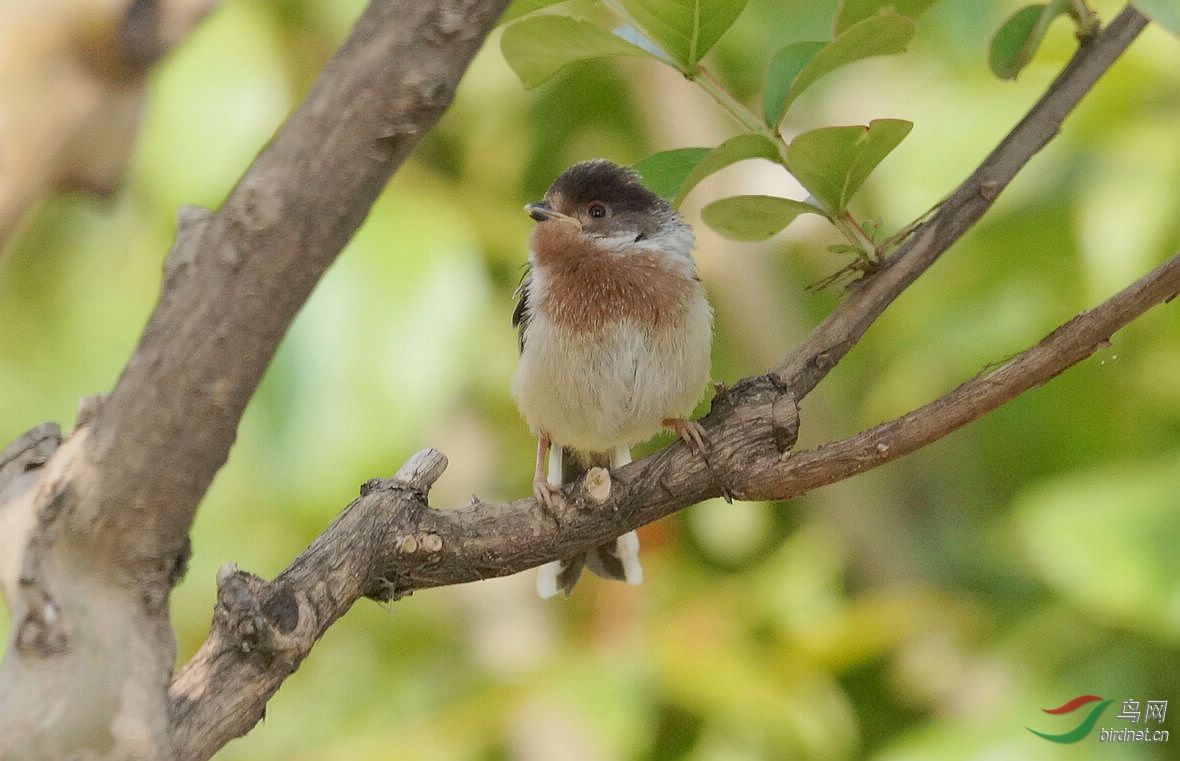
(103, 529)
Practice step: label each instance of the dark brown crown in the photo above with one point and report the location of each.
(606, 181)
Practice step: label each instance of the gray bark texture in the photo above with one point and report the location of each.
(96, 540)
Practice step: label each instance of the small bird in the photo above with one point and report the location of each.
(615, 338)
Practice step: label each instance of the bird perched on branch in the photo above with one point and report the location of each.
(615, 336)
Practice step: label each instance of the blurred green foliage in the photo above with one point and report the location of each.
(926, 610)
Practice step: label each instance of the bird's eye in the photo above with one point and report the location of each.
(597, 209)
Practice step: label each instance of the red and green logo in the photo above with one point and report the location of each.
(1081, 730)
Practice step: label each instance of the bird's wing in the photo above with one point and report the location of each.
(524, 310)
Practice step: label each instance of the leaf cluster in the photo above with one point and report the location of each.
(831, 163)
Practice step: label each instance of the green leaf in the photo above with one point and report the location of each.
(520, 8)
(853, 11)
(686, 29)
(540, 46)
(672, 174)
(833, 162)
(1166, 13)
(753, 218)
(784, 68)
(749, 146)
(1017, 40)
(663, 173)
(1012, 45)
(880, 35)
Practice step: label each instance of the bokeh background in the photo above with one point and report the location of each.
(925, 610)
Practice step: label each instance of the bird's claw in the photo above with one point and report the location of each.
(690, 432)
(544, 492)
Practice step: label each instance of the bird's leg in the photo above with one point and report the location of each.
(544, 489)
(549, 581)
(690, 431)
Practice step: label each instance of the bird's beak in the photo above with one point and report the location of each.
(543, 212)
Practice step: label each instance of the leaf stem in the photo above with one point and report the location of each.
(863, 245)
(1086, 20)
(732, 105)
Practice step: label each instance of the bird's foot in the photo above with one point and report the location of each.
(545, 492)
(690, 432)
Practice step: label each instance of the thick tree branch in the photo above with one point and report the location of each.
(104, 528)
(262, 631)
(235, 279)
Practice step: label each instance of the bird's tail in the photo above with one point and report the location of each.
(618, 559)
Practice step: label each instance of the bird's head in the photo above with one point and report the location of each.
(605, 204)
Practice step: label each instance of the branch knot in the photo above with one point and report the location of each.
(261, 618)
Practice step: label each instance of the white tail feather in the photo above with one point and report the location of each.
(556, 463)
(627, 544)
(547, 579)
(628, 548)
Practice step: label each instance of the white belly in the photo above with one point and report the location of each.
(615, 388)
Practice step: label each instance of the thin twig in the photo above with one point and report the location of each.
(1064, 347)
(812, 359)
